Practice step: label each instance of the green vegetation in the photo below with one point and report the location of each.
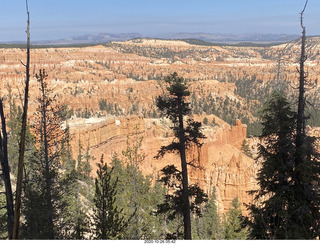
(210, 227)
(108, 220)
(234, 226)
(286, 205)
(246, 149)
(187, 133)
(61, 200)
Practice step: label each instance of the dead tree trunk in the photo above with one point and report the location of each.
(6, 172)
(301, 120)
(22, 136)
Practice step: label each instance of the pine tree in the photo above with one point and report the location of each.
(246, 149)
(83, 162)
(289, 178)
(187, 133)
(137, 197)
(43, 203)
(172, 206)
(270, 210)
(108, 219)
(285, 206)
(68, 163)
(133, 157)
(76, 221)
(76, 188)
(234, 224)
(209, 224)
(305, 214)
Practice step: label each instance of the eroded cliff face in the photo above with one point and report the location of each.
(223, 165)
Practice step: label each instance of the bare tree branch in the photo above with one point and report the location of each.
(23, 136)
(301, 14)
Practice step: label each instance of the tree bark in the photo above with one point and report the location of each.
(22, 137)
(6, 172)
(185, 184)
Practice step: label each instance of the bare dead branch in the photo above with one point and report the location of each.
(23, 63)
(22, 136)
(301, 14)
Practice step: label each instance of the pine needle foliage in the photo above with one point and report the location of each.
(108, 220)
(287, 204)
(187, 133)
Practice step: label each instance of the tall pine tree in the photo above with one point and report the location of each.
(209, 223)
(187, 133)
(270, 208)
(234, 227)
(289, 177)
(285, 207)
(43, 203)
(108, 219)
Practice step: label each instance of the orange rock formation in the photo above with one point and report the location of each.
(224, 166)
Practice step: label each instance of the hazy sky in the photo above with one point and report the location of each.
(58, 19)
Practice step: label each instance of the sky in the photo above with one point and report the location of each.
(60, 19)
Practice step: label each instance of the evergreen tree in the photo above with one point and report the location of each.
(187, 133)
(172, 206)
(137, 198)
(75, 218)
(108, 220)
(209, 224)
(270, 210)
(83, 162)
(234, 225)
(133, 158)
(246, 149)
(43, 202)
(76, 197)
(195, 228)
(305, 214)
(9, 149)
(285, 206)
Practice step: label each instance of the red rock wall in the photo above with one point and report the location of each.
(223, 165)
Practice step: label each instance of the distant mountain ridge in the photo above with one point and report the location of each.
(208, 37)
